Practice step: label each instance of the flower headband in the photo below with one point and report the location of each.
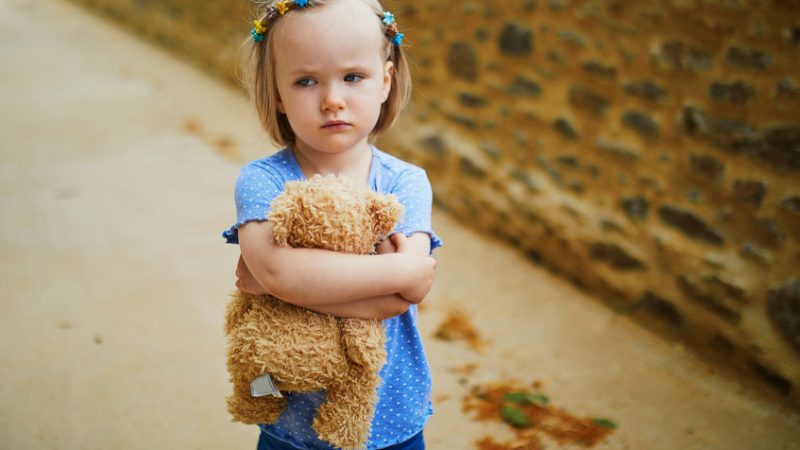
(280, 8)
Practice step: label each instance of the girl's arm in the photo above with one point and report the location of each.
(381, 307)
(319, 278)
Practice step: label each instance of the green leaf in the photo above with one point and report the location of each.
(515, 417)
(539, 399)
(604, 423)
(526, 398)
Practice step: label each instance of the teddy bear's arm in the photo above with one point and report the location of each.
(310, 277)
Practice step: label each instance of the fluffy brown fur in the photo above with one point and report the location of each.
(302, 350)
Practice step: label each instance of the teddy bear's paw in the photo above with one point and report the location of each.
(341, 435)
(255, 410)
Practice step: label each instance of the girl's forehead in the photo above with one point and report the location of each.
(340, 21)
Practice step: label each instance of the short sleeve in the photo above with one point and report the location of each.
(256, 187)
(414, 192)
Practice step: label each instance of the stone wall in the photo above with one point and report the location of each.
(648, 151)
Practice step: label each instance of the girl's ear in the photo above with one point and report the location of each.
(279, 103)
(388, 73)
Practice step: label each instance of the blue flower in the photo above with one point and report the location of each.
(398, 39)
(301, 3)
(388, 18)
(256, 37)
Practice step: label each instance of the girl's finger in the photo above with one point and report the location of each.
(399, 241)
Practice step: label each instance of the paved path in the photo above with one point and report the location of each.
(116, 169)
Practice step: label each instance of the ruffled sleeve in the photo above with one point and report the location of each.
(256, 187)
(413, 189)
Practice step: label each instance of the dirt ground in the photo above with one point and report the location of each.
(117, 163)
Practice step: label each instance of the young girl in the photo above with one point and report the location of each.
(328, 76)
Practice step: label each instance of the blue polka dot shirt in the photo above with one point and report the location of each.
(404, 396)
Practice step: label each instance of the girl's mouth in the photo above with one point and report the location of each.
(335, 125)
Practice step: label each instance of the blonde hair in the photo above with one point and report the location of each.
(258, 72)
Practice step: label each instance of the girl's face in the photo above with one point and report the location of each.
(332, 75)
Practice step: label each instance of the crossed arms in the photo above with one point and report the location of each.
(360, 286)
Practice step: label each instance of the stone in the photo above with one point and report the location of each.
(524, 87)
(647, 90)
(706, 167)
(550, 170)
(689, 224)
(462, 61)
(615, 256)
(572, 37)
(617, 149)
(737, 93)
(460, 119)
(528, 180)
(674, 55)
(694, 292)
(791, 204)
(600, 70)
(471, 100)
(772, 231)
(782, 147)
(641, 123)
(636, 207)
(576, 186)
(555, 56)
(778, 147)
(663, 309)
(568, 160)
(776, 381)
(756, 254)
(516, 40)
(490, 150)
(470, 169)
(435, 145)
(748, 58)
(724, 288)
(792, 34)
(750, 192)
(588, 101)
(722, 344)
(565, 128)
(694, 196)
(694, 121)
(787, 89)
(783, 309)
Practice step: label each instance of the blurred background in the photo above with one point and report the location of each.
(617, 185)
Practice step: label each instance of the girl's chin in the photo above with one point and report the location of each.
(332, 145)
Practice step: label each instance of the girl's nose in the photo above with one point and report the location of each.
(333, 100)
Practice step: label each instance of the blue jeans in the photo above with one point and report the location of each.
(267, 442)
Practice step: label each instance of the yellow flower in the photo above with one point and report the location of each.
(260, 28)
(282, 7)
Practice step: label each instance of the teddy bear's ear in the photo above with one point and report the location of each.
(386, 211)
(282, 213)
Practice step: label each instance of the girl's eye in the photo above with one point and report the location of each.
(306, 82)
(351, 78)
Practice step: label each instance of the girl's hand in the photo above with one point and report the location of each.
(245, 280)
(421, 270)
(386, 245)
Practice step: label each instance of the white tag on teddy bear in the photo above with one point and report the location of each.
(263, 386)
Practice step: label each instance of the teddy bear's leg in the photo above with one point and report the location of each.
(238, 307)
(244, 364)
(365, 342)
(345, 417)
(252, 410)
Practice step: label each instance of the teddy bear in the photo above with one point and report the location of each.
(300, 349)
